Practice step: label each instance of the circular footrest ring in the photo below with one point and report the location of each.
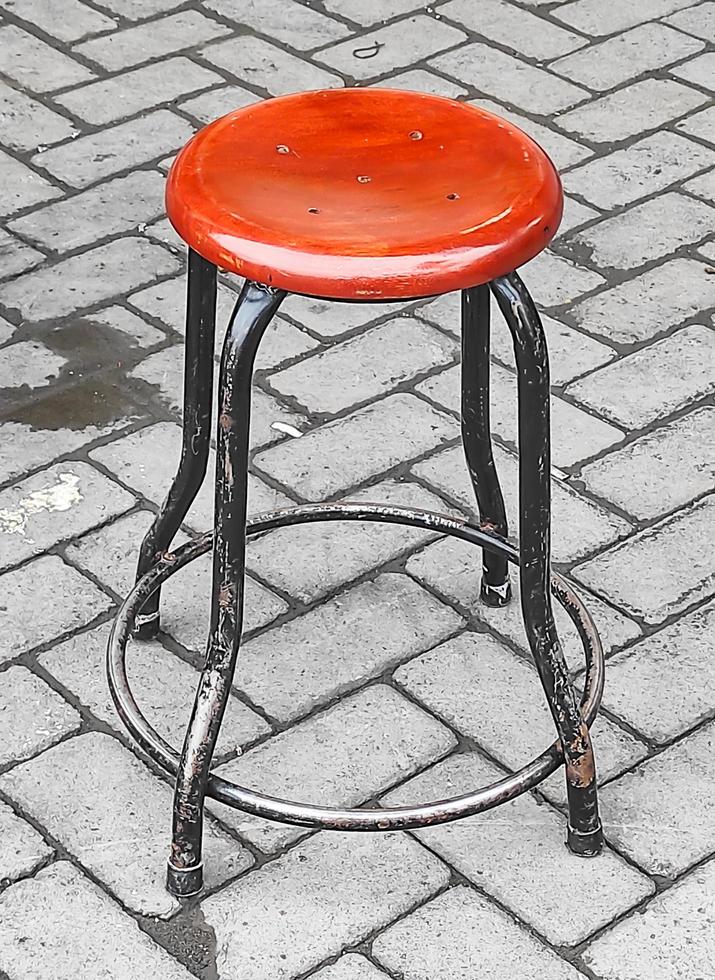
(326, 818)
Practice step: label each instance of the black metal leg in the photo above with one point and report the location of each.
(198, 384)
(252, 314)
(585, 836)
(477, 441)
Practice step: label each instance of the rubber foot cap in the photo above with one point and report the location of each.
(585, 845)
(146, 627)
(496, 595)
(184, 882)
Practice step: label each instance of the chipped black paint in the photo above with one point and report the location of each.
(477, 438)
(532, 363)
(198, 388)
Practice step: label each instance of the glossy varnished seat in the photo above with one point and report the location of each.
(364, 194)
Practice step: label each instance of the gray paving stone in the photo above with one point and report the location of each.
(699, 71)
(25, 122)
(575, 214)
(164, 686)
(112, 208)
(297, 26)
(516, 854)
(90, 790)
(370, 11)
(623, 57)
(698, 20)
(650, 383)
(575, 437)
(457, 930)
(699, 125)
(492, 695)
(399, 46)
(642, 168)
(133, 329)
(571, 353)
(21, 847)
(339, 757)
(664, 685)
(307, 561)
(514, 28)
(116, 148)
(351, 966)
(40, 446)
(16, 256)
(6, 330)
(217, 102)
(661, 814)
(419, 80)
(500, 76)
(377, 437)
(186, 604)
(339, 645)
(578, 525)
(672, 937)
(332, 319)
(59, 923)
(284, 918)
(32, 716)
(67, 20)
(69, 601)
(564, 152)
(282, 341)
(644, 105)
(23, 187)
(646, 231)
(703, 186)
(110, 99)
(165, 371)
(82, 280)
(366, 366)
(167, 302)
(554, 280)
(31, 62)
(147, 461)
(454, 568)
(662, 470)
(608, 16)
(67, 499)
(154, 39)
(660, 571)
(139, 9)
(268, 67)
(28, 364)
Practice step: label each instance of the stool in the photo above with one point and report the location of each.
(359, 195)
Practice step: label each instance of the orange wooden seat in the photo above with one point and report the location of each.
(364, 194)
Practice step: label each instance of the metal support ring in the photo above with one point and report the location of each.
(325, 818)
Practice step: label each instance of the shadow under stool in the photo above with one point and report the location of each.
(359, 195)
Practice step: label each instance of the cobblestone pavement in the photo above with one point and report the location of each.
(370, 671)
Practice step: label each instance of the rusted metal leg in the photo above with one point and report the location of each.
(477, 440)
(198, 384)
(585, 836)
(252, 314)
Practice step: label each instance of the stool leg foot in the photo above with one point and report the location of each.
(477, 440)
(584, 834)
(198, 382)
(585, 844)
(253, 312)
(184, 882)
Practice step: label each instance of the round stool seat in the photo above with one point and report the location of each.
(364, 194)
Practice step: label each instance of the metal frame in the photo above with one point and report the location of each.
(254, 309)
